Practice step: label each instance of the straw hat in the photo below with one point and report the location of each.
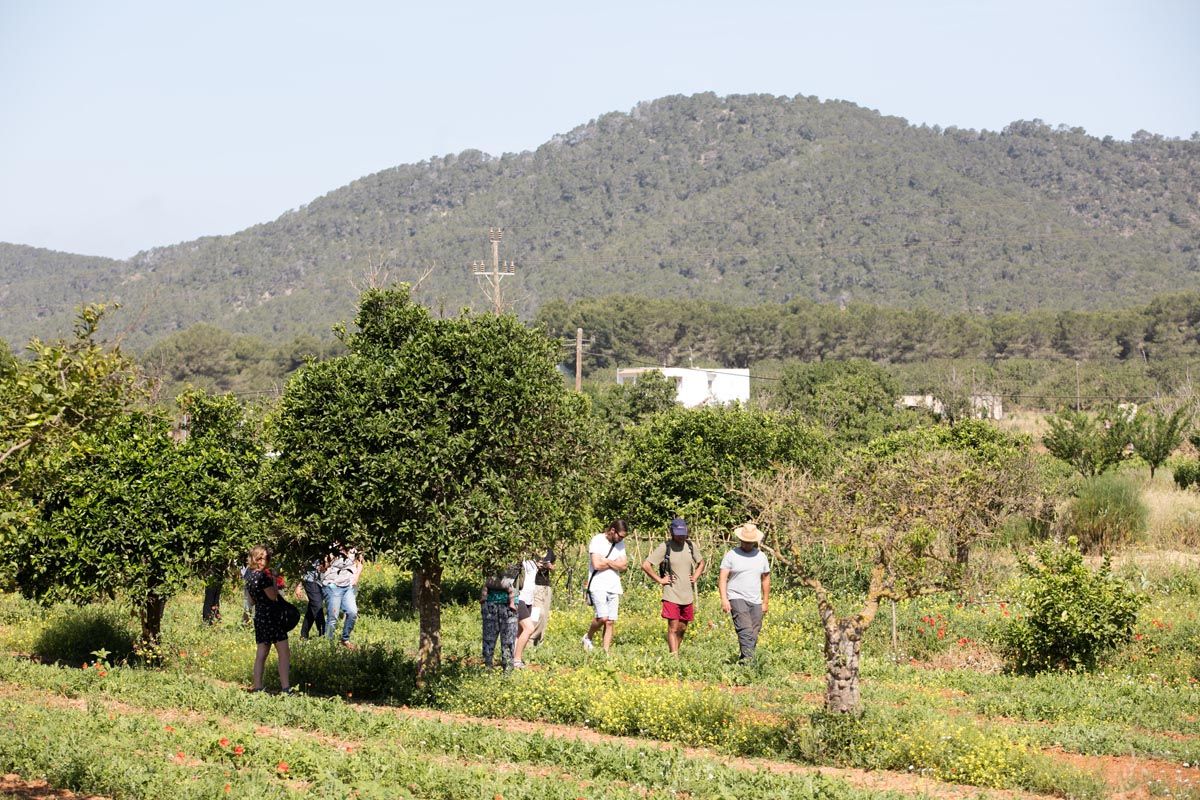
(748, 532)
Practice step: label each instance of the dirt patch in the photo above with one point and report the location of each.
(972, 657)
(15, 787)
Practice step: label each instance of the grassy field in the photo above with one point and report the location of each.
(943, 719)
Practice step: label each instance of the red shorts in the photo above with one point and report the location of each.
(676, 611)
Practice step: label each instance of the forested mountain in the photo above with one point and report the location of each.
(743, 199)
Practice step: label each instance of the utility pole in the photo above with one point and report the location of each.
(578, 359)
(1077, 386)
(500, 269)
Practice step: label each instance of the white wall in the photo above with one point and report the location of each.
(698, 387)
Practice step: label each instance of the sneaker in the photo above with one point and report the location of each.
(518, 665)
(587, 644)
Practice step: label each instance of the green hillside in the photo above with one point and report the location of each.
(741, 199)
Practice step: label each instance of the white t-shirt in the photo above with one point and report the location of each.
(745, 574)
(529, 567)
(606, 580)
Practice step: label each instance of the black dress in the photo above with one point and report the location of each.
(266, 626)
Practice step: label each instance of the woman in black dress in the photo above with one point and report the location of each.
(267, 630)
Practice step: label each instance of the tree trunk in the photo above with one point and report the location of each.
(962, 552)
(843, 644)
(151, 614)
(429, 611)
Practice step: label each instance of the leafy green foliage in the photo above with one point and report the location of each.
(65, 390)
(73, 634)
(435, 441)
(621, 405)
(443, 439)
(1187, 473)
(854, 400)
(1088, 443)
(1106, 514)
(134, 512)
(1072, 615)
(207, 357)
(1156, 434)
(688, 462)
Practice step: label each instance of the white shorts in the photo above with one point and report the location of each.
(606, 604)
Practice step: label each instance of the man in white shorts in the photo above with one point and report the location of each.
(606, 552)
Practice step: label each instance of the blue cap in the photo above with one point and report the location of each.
(679, 527)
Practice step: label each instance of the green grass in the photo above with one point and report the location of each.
(959, 725)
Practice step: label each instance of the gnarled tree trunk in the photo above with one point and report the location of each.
(429, 611)
(843, 645)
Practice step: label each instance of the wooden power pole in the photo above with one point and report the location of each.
(578, 359)
(499, 269)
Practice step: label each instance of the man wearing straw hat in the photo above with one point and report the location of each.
(745, 587)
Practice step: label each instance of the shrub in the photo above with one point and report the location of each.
(1108, 513)
(74, 633)
(1187, 474)
(1072, 614)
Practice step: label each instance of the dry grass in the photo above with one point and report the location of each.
(1030, 423)
(1174, 521)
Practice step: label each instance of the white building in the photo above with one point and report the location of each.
(983, 406)
(699, 387)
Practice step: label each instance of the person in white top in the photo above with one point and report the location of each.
(745, 587)
(606, 552)
(528, 613)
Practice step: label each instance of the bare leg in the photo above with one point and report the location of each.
(681, 627)
(527, 628)
(597, 623)
(285, 664)
(673, 636)
(260, 659)
(609, 625)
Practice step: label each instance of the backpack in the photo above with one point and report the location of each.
(284, 614)
(664, 568)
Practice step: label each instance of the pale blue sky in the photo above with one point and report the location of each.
(129, 125)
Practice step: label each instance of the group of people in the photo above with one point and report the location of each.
(515, 602)
(330, 584)
(517, 617)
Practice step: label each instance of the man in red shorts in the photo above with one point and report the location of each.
(676, 566)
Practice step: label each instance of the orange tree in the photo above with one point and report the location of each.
(131, 513)
(433, 442)
(906, 505)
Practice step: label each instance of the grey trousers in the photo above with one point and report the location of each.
(747, 621)
(499, 621)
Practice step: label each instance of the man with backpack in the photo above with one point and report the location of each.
(676, 566)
